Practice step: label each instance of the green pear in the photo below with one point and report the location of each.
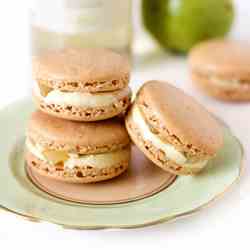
(180, 24)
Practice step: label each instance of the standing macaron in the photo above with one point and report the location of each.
(220, 68)
(77, 152)
(82, 84)
(172, 129)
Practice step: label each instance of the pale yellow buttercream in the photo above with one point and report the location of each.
(81, 99)
(94, 160)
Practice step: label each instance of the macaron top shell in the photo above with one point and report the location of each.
(82, 138)
(178, 119)
(79, 69)
(227, 59)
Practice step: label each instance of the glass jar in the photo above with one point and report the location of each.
(81, 23)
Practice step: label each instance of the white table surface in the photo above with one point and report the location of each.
(223, 225)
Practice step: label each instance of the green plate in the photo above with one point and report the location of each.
(185, 196)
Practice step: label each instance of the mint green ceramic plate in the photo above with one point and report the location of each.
(185, 196)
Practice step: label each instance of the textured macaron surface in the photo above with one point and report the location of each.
(227, 59)
(82, 138)
(92, 69)
(178, 119)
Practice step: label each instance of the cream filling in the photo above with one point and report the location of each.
(81, 99)
(224, 82)
(35, 150)
(96, 161)
(169, 150)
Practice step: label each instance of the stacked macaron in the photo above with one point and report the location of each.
(77, 152)
(75, 136)
(82, 84)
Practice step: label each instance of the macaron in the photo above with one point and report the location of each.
(172, 129)
(81, 84)
(220, 68)
(77, 152)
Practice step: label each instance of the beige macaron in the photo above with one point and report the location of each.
(81, 84)
(220, 68)
(77, 152)
(172, 129)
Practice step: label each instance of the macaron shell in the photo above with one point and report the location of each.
(155, 155)
(83, 138)
(86, 114)
(90, 70)
(222, 58)
(76, 175)
(179, 119)
(240, 93)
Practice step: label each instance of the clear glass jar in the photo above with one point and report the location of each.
(81, 23)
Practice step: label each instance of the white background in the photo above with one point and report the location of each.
(223, 225)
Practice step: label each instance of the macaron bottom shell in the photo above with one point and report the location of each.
(225, 92)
